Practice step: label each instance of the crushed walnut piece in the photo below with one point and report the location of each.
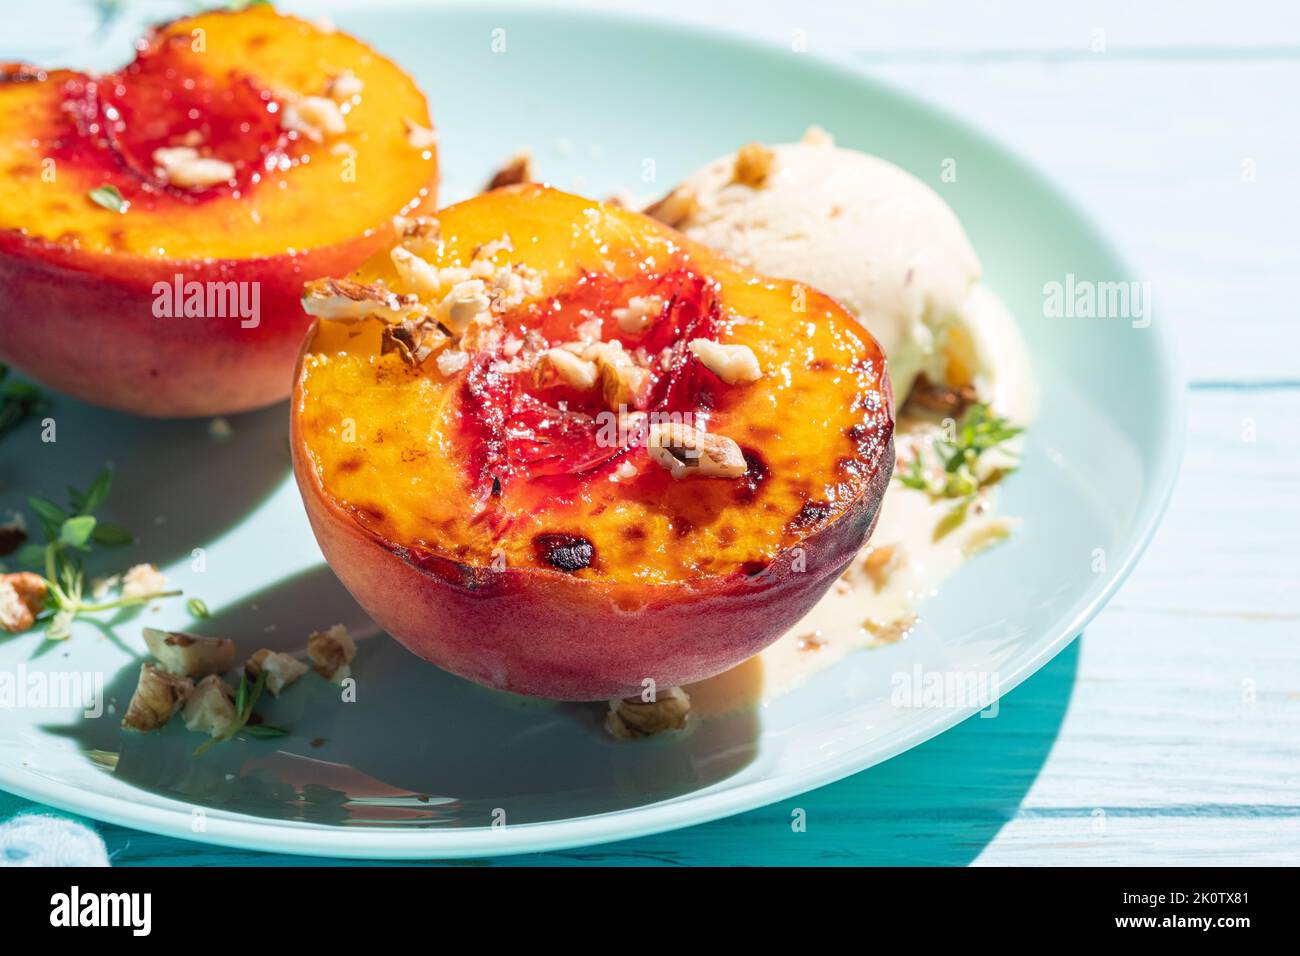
(944, 399)
(158, 695)
(734, 364)
(183, 166)
(281, 669)
(451, 361)
(463, 304)
(190, 655)
(754, 164)
(641, 310)
(420, 234)
(345, 300)
(419, 137)
(415, 271)
(812, 641)
(210, 709)
(331, 653)
(413, 340)
(632, 717)
(686, 451)
(22, 597)
(621, 379)
(562, 367)
(316, 117)
(889, 632)
(343, 86)
(881, 561)
(675, 209)
(816, 136)
(143, 580)
(517, 169)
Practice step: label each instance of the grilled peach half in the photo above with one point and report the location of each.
(556, 448)
(157, 224)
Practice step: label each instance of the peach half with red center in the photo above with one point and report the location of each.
(556, 448)
(157, 223)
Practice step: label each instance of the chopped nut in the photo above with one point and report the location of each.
(881, 562)
(466, 301)
(158, 695)
(414, 271)
(420, 137)
(621, 379)
(812, 641)
(632, 717)
(734, 364)
(13, 533)
(183, 166)
(345, 300)
(890, 632)
(344, 86)
(219, 428)
(675, 209)
(687, 451)
(944, 399)
(420, 234)
(451, 361)
(413, 340)
(211, 707)
(331, 653)
(560, 366)
(22, 596)
(281, 669)
(518, 169)
(316, 117)
(509, 285)
(753, 165)
(190, 655)
(641, 310)
(143, 580)
(816, 136)
(490, 249)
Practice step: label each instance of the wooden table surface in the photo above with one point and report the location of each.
(1169, 733)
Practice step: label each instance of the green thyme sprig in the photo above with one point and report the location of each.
(108, 197)
(70, 533)
(977, 432)
(245, 700)
(18, 401)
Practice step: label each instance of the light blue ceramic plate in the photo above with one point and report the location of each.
(422, 763)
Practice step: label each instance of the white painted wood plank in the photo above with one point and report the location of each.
(896, 29)
(1182, 739)
(905, 28)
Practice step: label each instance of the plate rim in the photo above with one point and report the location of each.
(241, 831)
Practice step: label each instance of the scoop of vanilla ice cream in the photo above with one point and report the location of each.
(852, 225)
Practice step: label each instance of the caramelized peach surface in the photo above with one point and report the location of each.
(223, 81)
(245, 147)
(467, 497)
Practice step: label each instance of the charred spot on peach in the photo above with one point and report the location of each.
(571, 392)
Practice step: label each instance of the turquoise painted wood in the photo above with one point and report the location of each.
(1170, 732)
